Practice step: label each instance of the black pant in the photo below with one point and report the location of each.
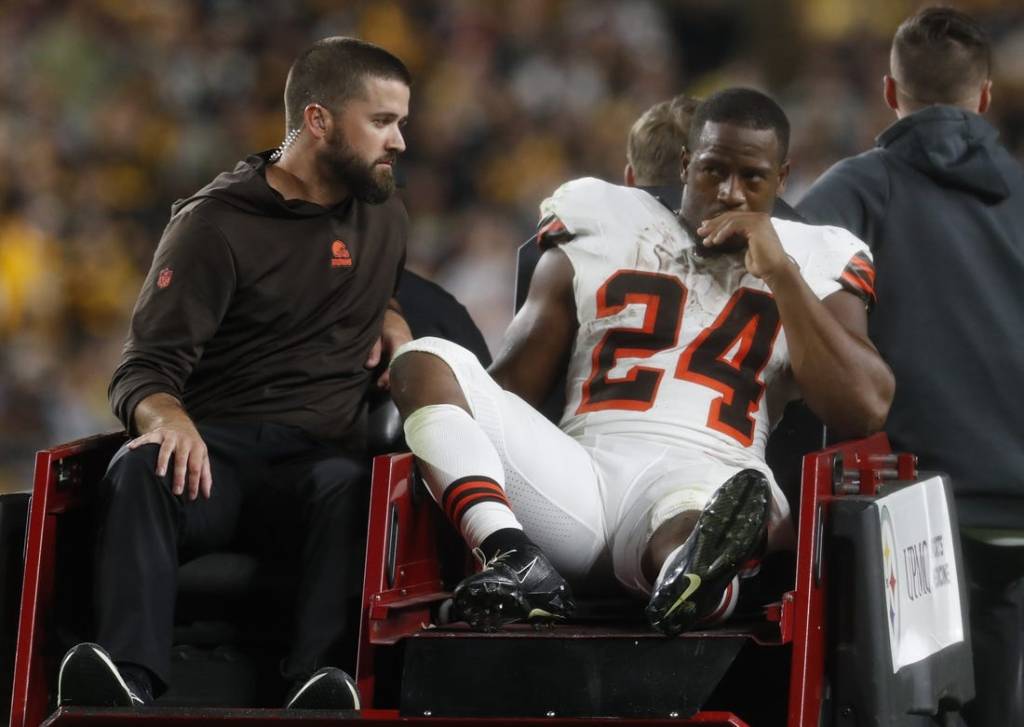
(274, 487)
(996, 578)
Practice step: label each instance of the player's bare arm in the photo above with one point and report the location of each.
(162, 420)
(539, 339)
(840, 373)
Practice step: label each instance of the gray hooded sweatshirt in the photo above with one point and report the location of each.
(941, 204)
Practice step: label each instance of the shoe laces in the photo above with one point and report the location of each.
(499, 557)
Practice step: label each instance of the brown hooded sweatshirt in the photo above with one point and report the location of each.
(262, 309)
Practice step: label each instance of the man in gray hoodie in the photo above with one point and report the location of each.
(941, 203)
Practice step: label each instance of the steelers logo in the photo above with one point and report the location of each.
(890, 572)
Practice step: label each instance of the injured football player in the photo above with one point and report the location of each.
(681, 336)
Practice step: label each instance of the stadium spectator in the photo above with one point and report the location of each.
(941, 203)
(244, 381)
(625, 292)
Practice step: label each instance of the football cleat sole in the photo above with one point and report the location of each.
(729, 530)
(489, 605)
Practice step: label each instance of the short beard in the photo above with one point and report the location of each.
(341, 165)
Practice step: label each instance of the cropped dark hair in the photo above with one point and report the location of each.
(334, 70)
(940, 55)
(656, 141)
(742, 107)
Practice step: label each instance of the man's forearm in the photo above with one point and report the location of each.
(840, 374)
(158, 410)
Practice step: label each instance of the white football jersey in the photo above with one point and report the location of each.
(672, 346)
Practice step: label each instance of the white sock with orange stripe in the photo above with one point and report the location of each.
(462, 469)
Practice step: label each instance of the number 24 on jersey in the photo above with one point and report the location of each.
(746, 328)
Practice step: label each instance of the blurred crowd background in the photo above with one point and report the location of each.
(112, 109)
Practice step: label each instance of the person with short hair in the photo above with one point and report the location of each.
(654, 150)
(941, 203)
(656, 142)
(683, 336)
(244, 380)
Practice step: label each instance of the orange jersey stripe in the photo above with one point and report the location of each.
(551, 232)
(858, 284)
(863, 266)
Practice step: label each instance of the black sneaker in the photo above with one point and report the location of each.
(518, 584)
(329, 688)
(729, 531)
(88, 677)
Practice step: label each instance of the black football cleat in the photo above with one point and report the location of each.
(519, 584)
(729, 532)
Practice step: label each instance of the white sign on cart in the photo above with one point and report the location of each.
(922, 596)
